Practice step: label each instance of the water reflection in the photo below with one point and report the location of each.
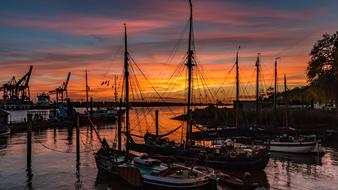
(257, 177)
(302, 171)
(29, 176)
(78, 182)
(61, 170)
(3, 144)
(29, 173)
(70, 136)
(298, 158)
(105, 181)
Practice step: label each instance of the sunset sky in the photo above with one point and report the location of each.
(58, 37)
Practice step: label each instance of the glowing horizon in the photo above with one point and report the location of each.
(61, 37)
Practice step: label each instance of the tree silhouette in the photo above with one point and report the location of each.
(322, 70)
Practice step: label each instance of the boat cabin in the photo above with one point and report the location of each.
(148, 162)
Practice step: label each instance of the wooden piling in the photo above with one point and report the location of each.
(54, 134)
(156, 123)
(78, 176)
(54, 109)
(91, 106)
(77, 138)
(119, 127)
(29, 140)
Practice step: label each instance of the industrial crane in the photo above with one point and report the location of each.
(61, 92)
(17, 91)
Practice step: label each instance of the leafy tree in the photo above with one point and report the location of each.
(322, 70)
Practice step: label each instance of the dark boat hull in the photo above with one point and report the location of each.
(256, 162)
(106, 167)
(206, 186)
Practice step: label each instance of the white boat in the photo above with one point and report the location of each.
(290, 144)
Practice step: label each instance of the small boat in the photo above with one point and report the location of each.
(99, 115)
(155, 174)
(148, 172)
(291, 144)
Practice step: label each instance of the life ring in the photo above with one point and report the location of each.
(233, 154)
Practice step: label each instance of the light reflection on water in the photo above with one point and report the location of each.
(54, 164)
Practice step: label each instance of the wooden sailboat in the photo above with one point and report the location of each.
(293, 144)
(145, 171)
(220, 157)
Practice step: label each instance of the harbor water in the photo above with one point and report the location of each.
(54, 164)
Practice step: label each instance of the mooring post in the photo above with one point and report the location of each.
(29, 140)
(91, 106)
(119, 127)
(70, 110)
(120, 106)
(77, 138)
(156, 123)
(54, 134)
(54, 109)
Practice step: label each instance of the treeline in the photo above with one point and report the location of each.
(213, 117)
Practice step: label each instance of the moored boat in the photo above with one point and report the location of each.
(291, 144)
(99, 115)
(222, 157)
(155, 174)
(148, 172)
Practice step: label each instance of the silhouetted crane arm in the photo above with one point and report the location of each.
(23, 82)
(66, 83)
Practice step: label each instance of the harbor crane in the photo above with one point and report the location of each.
(61, 92)
(17, 91)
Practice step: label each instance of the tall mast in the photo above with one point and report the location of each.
(189, 64)
(286, 102)
(126, 79)
(86, 91)
(237, 88)
(115, 92)
(257, 86)
(275, 93)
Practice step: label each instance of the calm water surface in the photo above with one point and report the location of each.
(54, 164)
